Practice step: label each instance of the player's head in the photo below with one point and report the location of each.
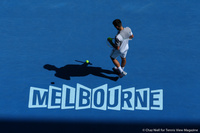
(117, 23)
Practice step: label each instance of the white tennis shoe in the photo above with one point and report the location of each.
(122, 74)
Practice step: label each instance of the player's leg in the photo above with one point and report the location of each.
(123, 58)
(114, 54)
(123, 63)
(115, 62)
(118, 69)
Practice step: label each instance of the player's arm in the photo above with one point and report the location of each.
(131, 34)
(131, 37)
(114, 45)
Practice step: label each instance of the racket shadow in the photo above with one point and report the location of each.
(77, 70)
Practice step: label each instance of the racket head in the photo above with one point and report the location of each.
(108, 43)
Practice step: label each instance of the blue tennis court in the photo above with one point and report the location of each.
(45, 81)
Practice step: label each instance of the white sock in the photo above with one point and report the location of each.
(120, 69)
(123, 68)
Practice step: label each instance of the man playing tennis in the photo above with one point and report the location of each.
(120, 47)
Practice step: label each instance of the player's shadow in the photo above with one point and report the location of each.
(75, 70)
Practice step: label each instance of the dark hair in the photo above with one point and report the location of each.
(117, 22)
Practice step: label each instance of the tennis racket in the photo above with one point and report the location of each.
(108, 43)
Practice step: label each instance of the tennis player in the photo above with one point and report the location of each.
(120, 47)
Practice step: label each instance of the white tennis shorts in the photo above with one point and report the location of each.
(115, 53)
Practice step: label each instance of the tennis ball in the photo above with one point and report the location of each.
(87, 61)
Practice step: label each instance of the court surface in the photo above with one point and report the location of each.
(45, 43)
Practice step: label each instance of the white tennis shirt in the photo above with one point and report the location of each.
(122, 39)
